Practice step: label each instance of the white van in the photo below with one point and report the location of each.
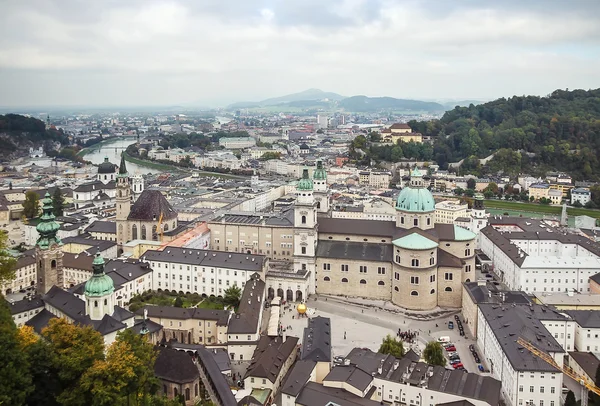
(444, 339)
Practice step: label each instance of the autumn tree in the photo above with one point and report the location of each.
(434, 354)
(143, 368)
(75, 349)
(42, 368)
(31, 205)
(7, 261)
(390, 345)
(15, 381)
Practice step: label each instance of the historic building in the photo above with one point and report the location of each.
(99, 193)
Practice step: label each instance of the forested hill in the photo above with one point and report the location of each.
(562, 130)
(19, 133)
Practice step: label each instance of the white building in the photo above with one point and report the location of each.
(526, 379)
(587, 329)
(237, 142)
(205, 272)
(449, 210)
(581, 195)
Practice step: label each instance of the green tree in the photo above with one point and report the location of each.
(31, 205)
(434, 354)
(42, 368)
(570, 399)
(7, 261)
(390, 345)
(232, 296)
(267, 156)
(58, 202)
(471, 183)
(178, 302)
(15, 379)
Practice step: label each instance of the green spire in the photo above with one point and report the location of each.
(122, 167)
(99, 284)
(320, 173)
(416, 172)
(305, 183)
(47, 227)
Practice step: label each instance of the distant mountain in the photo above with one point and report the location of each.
(305, 96)
(371, 104)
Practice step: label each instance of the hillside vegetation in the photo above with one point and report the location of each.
(18, 133)
(534, 134)
(374, 104)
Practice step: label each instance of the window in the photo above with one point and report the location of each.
(432, 291)
(363, 282)
(401, 220)
(414, 280)
(541, 389)
(344, 280)
(304, 250)
(303, 219)
(381, 283)
(431, 261)
(381, 270)
(520, 388)
(448, 289)
(467, 252)
(531, 389)
(431, 278)
(252, 380)
(344, 268)
(552, 388)
(415, 222)
(327, 267)
(428, 221)
(363, 269)
(468, 268)
(187, 393)
(414, 293)
(448, 276)
(397, 276)
(396, 289)
(414, 262)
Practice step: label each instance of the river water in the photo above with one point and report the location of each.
(113, 151)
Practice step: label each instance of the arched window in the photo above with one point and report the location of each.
(196, 390)
(318, 205)
(432, 291)
(326, 279)
(134, 232)
(154, 234)
(166, 227)
(467, 252)
(175, 394)
(431, 261)
(53, 264)
(467, 280)
(143, 232)
(303, 219)
(401, 220)
(381, 283)
(187, 393)
(414, 262)
(363, 282)
(428, 221)
(448, 289)
(344, 280)
(396, 289)
(95, 303)
(414, 293)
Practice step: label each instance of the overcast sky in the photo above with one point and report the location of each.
(145, 52)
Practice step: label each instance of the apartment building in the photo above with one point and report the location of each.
(448, 211)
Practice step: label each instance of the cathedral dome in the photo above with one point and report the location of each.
(305, 183)
(415, 197)
(107, 167)
(100, 284)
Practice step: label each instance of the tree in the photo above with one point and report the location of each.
(471, 183)
(232, 296)
(43, 370)
(595, 397)
(570, 399)
(267, 156)
(390, 345)
(75, 349)
(145, 380)
(15, 380)
(178, 302)
(577, 203)
(58, 202)
(7, 261)
(434, 354)
(31, 205)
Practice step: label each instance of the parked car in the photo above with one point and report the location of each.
(444, 339)
(458, 365)
(455, 361)
(453, 357)
(453, 348)
(448, 345)
(480, 367)
(450, 325)
(489, 276)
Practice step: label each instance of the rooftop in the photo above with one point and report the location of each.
(210, 258)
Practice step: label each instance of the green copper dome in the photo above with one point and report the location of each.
(305, 183)
(47, 227)
(100, 284)
(320, 173)
(415, 197)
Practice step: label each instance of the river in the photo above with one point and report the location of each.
(113, 151)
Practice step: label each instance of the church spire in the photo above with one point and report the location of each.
(47, 227)
(122, 166)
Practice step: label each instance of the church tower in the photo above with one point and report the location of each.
(479, 218)
(99, 289)
(321, 190)
(305, 229)
(48, 250)
(123, 201)
(415, 206)
(137, 186)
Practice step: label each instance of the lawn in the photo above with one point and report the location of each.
(540, 208)
(211, 303)
(162, 299)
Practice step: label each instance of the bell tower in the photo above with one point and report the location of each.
(123, 201)
(48, 250)
(321, 189)
(99, 297)
(305, 229)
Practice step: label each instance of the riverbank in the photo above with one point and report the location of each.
(540, 208)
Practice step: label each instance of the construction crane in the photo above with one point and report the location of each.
(586, 384)
(160, 226)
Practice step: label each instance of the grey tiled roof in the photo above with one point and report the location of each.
(109, 227)
(316, 345)
(297, 377)
(585, 318)
(25, 305)
(175, 366)
(180, 313)
(270, 355)
(354, 250)
(245, 321)
(40, 321)
(211, 258)
(314, 394)
(356, 227)
(66, 302)
(149, 206)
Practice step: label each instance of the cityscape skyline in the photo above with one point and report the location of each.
(159, 53)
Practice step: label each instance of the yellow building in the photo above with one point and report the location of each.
(539, 190)
(400, 132)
